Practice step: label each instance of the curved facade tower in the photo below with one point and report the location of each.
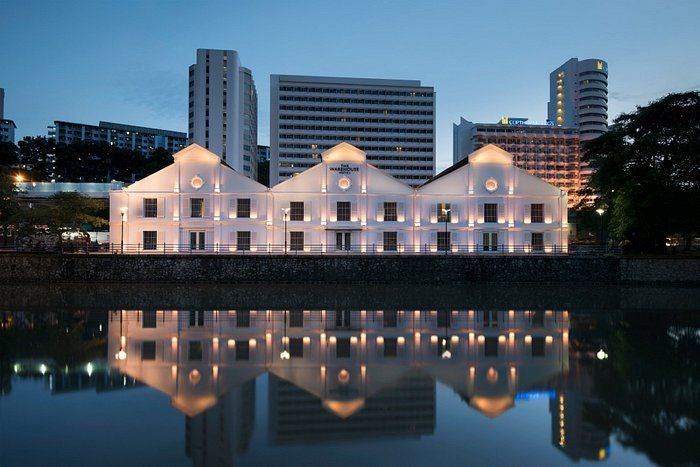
(578, 96)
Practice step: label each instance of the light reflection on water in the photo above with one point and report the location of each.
(545, 386)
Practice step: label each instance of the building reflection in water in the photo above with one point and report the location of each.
(344, 374)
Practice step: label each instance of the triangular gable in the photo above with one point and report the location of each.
(490, 154)
(195, 150)
(344, 152)
(307, 181)
(161, 180)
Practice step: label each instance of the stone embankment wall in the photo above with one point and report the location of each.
(22, 268)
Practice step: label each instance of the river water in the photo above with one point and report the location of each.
(331, 375)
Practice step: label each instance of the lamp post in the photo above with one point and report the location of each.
(600, 212)
(285, 217)
(445, 212)
(123, 213)
(284, 355)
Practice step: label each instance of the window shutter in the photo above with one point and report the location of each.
(401, 240)
(307, 211)
(160, 238)
(527, 210)
(433, 240)
(353, 212)
(254, 241)
(139, 208)
(480, 215)
(380, 212)
(161, 207)
(454, 214)
(188, 209)
(379, 241)
(433, 213)
(527, 238)
(232, 240)
(208, 240)
(232, 208)
(401, 212)
(547, 213)
(334, 211)
(253, 208)
(501, 213)
(547, 237)
(207, 207)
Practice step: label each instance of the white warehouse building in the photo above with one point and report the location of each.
(199, 204)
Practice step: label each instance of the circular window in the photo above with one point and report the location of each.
(344, 376)
(197, 182)
(344, 183)
(491, 184)
(194, 377)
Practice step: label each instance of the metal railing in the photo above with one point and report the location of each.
(324, 249)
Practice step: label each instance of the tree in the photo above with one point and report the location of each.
(36, 156)
(158, 159)
(9, 156)
(647, 172)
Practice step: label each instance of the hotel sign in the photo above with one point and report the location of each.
(344, 169)
(514, 121)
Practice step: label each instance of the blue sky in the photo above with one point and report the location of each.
(127, 61)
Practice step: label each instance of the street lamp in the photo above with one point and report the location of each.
(19, 178)
(600, 212)
(446, 353)
(445, 212)
(285, 217)
(284, 355)
(121, 355)
(123, 213)
(601, 355)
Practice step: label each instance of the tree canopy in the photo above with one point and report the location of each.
(647, 172)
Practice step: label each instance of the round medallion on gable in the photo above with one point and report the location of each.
(491, 185)
(344, 183)
(197, 182)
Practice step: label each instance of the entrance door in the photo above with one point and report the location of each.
(490, 241)
(343, 241)
(197, 240)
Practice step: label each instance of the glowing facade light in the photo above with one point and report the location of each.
(602, 355)
(284, 355)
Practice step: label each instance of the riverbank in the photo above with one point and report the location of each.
(281, 269)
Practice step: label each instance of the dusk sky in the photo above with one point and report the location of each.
(127, 61)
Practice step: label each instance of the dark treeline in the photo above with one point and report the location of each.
(40, 159)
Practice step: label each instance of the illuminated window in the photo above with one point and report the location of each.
(490, 212)
(150, 207)
(150, 239)
(296, 241)
(390, 212)
(296, 211)
(243, 241)
(243, 208)
(537, 213)
(343, 210)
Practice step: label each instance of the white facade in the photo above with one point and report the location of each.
(578, 96)
(393, 121)
(223, 109)
(342, 204)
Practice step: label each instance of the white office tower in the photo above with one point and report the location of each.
(578, 96)
(223, 109)
(393, 121)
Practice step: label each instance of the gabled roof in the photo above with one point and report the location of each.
(489, 154)
(195, 149)
(344, 152)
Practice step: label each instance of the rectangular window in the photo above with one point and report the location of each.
(243, 241)
(537, 319)
(296, 319)
(538, 346)
(443, 241)
(342, 319)
(296, 347)
(390, 347)
(194, 352)
(150, 239)
(243, 318)
(390, 318)
(343, 211)
(390, 241)
(390, 212)
(342, 349)
(537, 213)
(196, 207)
(150, 207)
(296, 211)
(242, 350)
(444, 318)
(490, 212)
(196, 318)
(537, 241)
(149, 319)
(491, 347)
(148, 350)
(296, 241)
(243, 208)
(444, 212)
(490, 319)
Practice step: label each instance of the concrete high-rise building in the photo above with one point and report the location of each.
(578, 96)
(223, 109)
(547, 151)
(137, 138)
(393, 121)
(263, 153)
(7, 127)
